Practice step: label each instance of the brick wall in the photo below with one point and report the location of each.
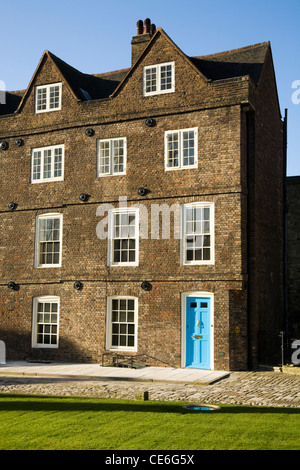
(293, 254)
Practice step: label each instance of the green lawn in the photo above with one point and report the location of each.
(48, 423)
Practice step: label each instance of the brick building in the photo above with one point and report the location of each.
(293, 256)
(141, 210)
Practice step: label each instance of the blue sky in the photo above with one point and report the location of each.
(94, 37)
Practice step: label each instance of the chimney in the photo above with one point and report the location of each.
(144, 32)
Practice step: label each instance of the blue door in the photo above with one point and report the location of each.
(198, 332)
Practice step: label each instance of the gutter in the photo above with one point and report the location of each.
(285, 257)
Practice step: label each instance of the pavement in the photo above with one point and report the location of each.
(95, 371)
(252, 388)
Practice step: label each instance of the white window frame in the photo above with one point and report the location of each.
(111, 238)
(36, 301)
(111, 142)
(109, 345)
(43, 150)
(211, 233)
(47, 89)
(181, 165)
(38, 242)
(158, 72)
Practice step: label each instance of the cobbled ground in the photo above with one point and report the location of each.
(273, 389)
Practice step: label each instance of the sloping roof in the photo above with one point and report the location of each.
(235, 63)
(12, 101)
(225, 65)
(86, 86)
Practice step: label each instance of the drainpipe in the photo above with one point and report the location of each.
(285, 256)
(250, 163)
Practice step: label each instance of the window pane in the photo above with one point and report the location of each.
(173, 149)
(111, 156)
(49, 241)
(123, 325)
(124, 233)
(150, 80)
(166, 77)
(57, 162)
(36, 170)
(188, 148)
(47, 323)
(41, 99)
(47, 163)
(54, 97)
(197, 245)
(118, 156)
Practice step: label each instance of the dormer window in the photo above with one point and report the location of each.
(48, 98)
(159, 79)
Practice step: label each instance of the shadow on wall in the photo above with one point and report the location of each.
(18, 348)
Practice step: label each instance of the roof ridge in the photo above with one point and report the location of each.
(98, 75)
(56, 58)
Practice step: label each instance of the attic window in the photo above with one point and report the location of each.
(86, 94)
(48, 98)
(158, 79)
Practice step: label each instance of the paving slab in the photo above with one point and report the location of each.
(95, 371)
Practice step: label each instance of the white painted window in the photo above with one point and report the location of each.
(159, 78)
(111, 155)
(47, 164)
(122, 314)
(48, 245)
(123, 237)
(197, 243)
(48, 98)
(181, 149)
(45, 322)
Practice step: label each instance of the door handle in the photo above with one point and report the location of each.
(197, 336)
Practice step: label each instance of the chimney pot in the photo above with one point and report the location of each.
(139, 27)
(147, 24)
(152, 29)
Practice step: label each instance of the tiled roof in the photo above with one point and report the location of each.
(236, 63)
(12, 100)
(84, 85)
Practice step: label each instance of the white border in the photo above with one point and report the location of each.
(108, 346)
(184, 296)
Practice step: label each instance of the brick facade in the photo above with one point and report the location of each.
(240, 171)
(293, 255)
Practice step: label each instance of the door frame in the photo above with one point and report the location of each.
(184, 296)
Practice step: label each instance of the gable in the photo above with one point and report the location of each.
(47, 73)
(161, 50)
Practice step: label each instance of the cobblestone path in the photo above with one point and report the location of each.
(240, 388)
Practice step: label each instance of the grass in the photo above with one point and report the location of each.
(55, 423)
